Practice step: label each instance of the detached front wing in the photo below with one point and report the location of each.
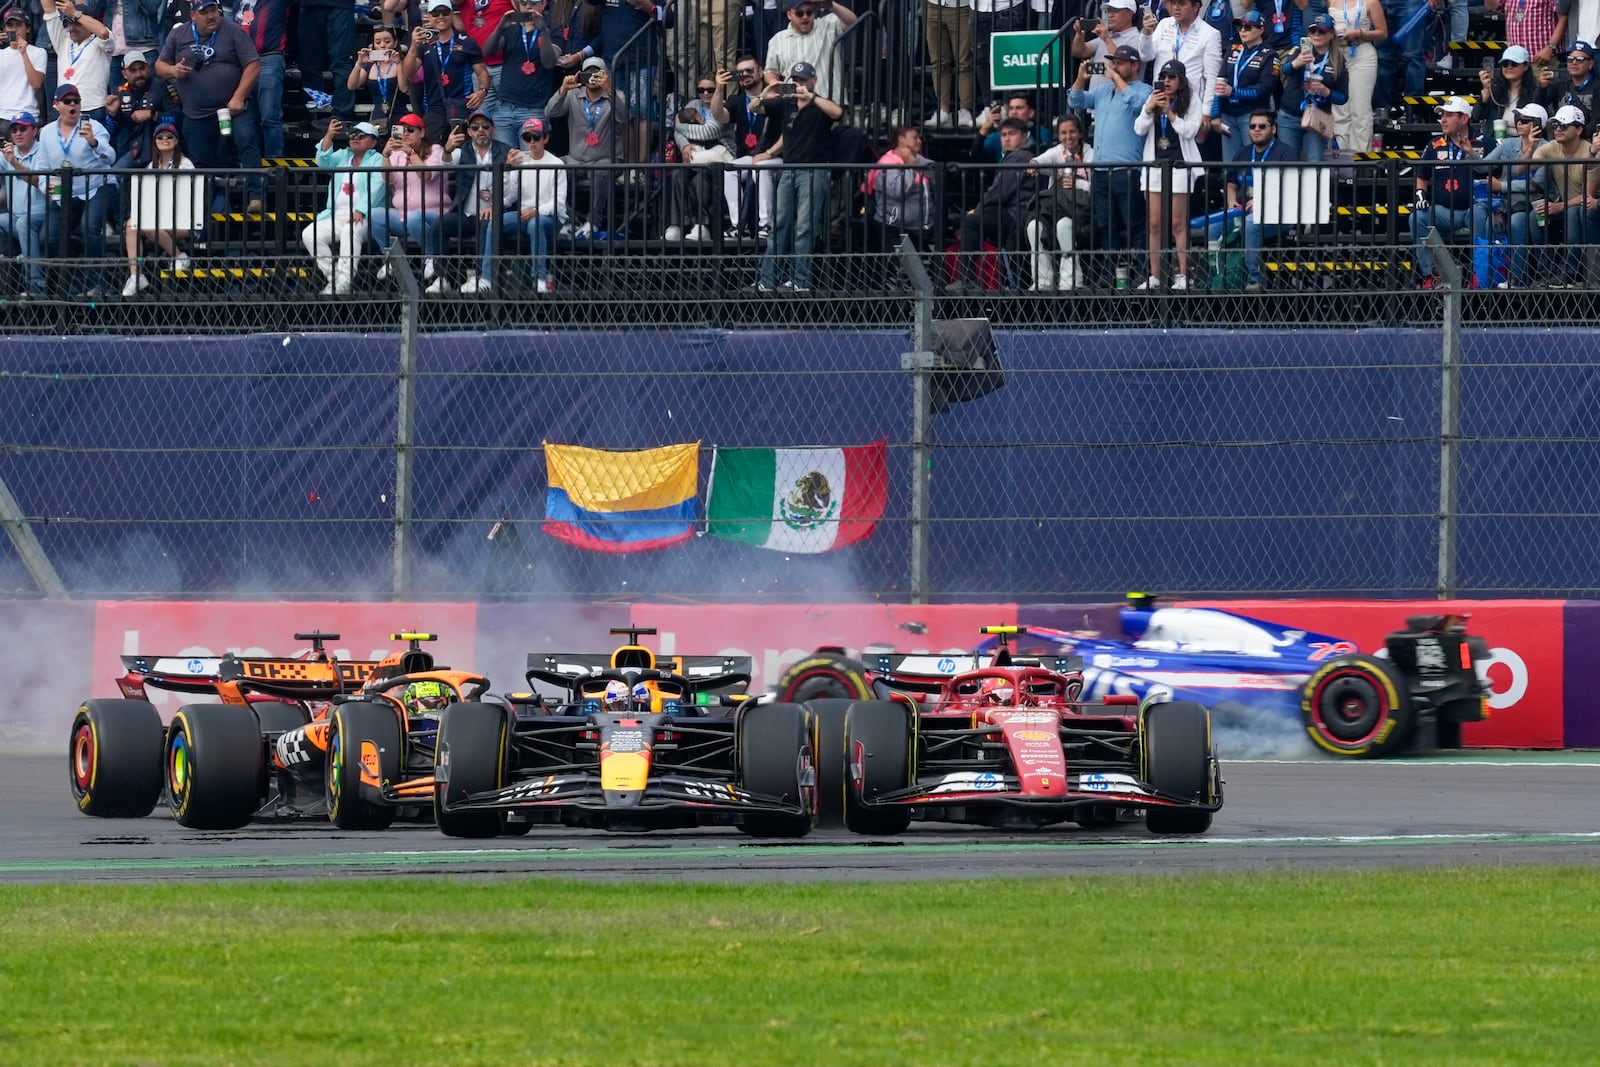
(1096, 787)
(663, 793)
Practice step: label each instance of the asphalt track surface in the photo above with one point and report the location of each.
(1473, 810)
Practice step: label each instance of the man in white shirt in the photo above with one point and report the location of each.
(1184, 36)
(814, 28)
(21, 68)
(83, 53)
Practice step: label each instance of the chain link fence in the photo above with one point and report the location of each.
(1340, 432)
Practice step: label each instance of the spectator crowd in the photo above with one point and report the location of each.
(484, 124)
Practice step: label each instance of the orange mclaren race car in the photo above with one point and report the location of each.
(306, 736)
(627, 742)
(1012, 743)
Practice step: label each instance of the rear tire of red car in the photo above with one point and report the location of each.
(472, 756)
(880, 741)
(825, 675)
(776, 759)
(1357, 706)
(114, 758)
(216, 763)
(833, 769)
(349, 726)
(1175, 759)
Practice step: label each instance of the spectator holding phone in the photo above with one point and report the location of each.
(83, 53)
(1507, 85)
(1119, 221)
(1248, 80)
(528, 74)
(1169, 122)
(1570, 198)
(22, 67)
(986, 142)
(1185, 37)
(596, 115)
(476, 215)
(336, 238)
(85, 206)
(1516, 184)
(1094, 40)
(1313, 82)
(418, 193)
(754, 137)
(377, 69)
(1359, 27)
(446, 68)
(806, 144)
(23, 214)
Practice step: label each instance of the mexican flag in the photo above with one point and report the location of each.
(799, 500)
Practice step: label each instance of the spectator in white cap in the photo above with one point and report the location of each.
(1569, 205)
(1444, 177)
(445, 70)
(1511, 85)
(597, 116)
(1513, 186)
(83, 53)
(356, 190)
(136, 105)
(1096, 40)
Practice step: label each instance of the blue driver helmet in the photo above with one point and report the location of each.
(617, 698)
(642, 695)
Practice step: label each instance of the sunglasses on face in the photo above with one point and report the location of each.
(168, 136)
(1260, 126)
(804, 14)
(1318, 31)
(533, 137)
(1524, 122)
(705, 88)
(479, 126)
(1580, 58)
(747, 72)
(70, 102)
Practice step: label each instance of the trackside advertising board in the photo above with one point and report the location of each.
(1020, 60)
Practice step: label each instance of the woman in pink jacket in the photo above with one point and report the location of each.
(418, 192)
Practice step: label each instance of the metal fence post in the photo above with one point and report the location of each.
(405, 418)
(921, 363)
(26, 542)
(1449, 410)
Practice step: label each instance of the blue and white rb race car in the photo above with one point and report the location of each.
(1268, 686)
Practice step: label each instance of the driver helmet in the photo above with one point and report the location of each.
(617, 697)
(996, 691)
(425, 698)
(642, 697)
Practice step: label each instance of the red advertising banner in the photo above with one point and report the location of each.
(1526, 664)
(778, 635)
(213, 628)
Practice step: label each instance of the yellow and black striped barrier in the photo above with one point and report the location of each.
(1391, 153)
(288, 163)
(265, 216)
(1435, 101)
(1333, 266)
(1477, 46)
(1380, 209)
(236, 273)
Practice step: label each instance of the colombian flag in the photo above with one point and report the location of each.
(621, 501)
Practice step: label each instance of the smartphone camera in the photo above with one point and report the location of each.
(429, 36)
(397, 131)
(379, 55)
(786, 88)
(1097, 68)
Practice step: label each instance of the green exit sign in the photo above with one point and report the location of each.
(1020, 61)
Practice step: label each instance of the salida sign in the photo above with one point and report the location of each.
(1019, 60)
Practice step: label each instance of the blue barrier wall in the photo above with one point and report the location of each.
(1195, 461)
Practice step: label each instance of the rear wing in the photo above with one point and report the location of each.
(707, 674)
(292, 679)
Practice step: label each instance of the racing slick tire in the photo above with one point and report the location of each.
(827, 752)
(880, 742)
(824, 675)
(114, 756)
(1175, 759)
(277, 717)
(1357, 707)
(216, 766)
(350, 727)
(776, 760)
(471, 756)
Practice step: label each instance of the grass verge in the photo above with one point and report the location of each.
(1453, 966)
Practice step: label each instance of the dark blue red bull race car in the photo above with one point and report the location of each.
(1263, 681)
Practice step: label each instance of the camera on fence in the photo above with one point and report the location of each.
(969, 362)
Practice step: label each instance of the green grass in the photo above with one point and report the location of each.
(1463, 966)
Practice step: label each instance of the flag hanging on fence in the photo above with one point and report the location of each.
(621, 501)
(799, 500)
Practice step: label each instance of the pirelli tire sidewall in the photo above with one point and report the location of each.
(824, 675)
(1357, 707)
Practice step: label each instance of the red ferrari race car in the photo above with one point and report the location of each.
(305, 736)
(627, 742)
(1010, 743)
